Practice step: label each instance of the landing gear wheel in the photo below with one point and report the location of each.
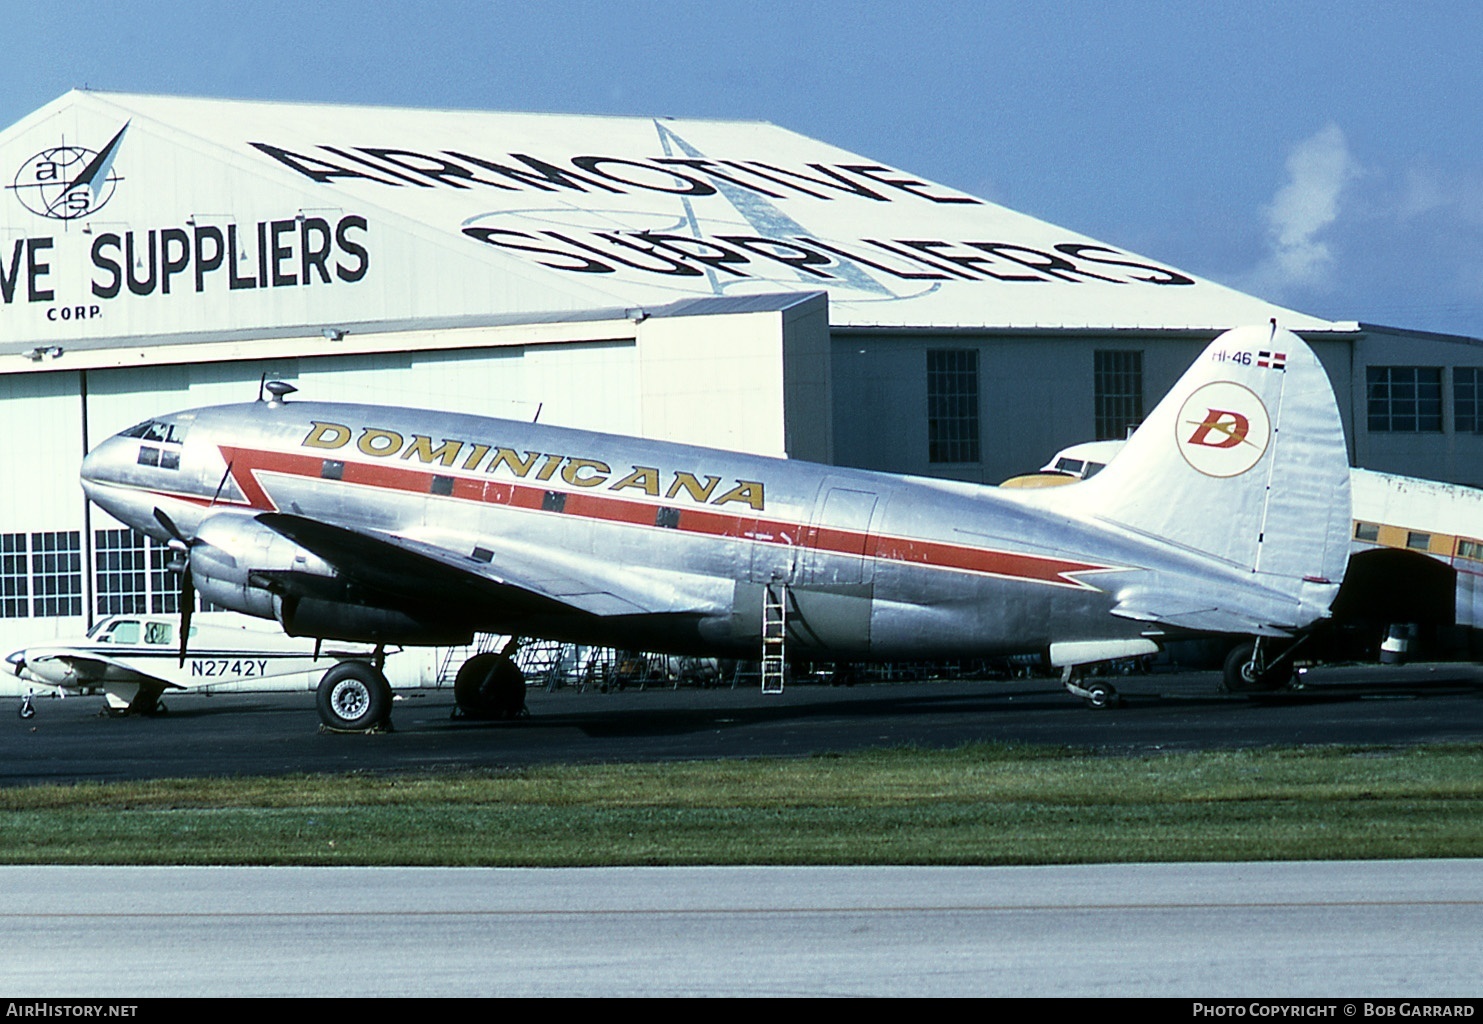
(1100, 696)
(490, 687)
(27, 711)
(353, 697)
(1243, 675)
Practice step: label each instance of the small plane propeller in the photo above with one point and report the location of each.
(180, 550)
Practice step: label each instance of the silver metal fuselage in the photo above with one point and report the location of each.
(675, 543)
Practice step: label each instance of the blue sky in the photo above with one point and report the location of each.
(1328, 156)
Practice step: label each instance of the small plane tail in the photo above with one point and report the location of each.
(1243, 463)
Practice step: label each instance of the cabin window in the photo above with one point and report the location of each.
(160, 633)
(15, 577)
(1417, 541)
(56, 573)
(1467, 414)
(952, 405)
(1117, 383)
(1471, 549)
(1367, 532)
(1404, 399)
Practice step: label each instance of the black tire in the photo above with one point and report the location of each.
(490, 687)
(27, 711)
(353, 697)
(1101, 696)
(1240, 674)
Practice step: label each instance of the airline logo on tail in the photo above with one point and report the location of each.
(1223, 429)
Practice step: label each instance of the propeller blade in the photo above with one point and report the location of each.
(169, 524)
(187, 606)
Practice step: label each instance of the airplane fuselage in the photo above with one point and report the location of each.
(655, 545)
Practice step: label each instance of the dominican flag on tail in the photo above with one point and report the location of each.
(1271, 360)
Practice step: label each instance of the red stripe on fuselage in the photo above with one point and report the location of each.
(247, 463)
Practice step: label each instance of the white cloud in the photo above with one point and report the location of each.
(1318, 170)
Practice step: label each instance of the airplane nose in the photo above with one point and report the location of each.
(92, 463)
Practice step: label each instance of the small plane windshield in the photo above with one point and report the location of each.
(124, 631)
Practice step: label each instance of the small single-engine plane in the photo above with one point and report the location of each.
(1226, 512)
(133, 660)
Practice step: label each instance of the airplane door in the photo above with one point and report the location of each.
(839, 537)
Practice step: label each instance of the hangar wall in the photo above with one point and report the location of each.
(1036, 393)
(1416, 402)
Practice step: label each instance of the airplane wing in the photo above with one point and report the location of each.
(489, 571)
(92, 668)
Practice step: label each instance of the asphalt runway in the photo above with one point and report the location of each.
(276, 733)
(1345, 932)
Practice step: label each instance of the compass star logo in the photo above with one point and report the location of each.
(68, 182)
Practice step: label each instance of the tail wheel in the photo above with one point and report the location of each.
(491, 687)
(353, 697)
(1242, 674)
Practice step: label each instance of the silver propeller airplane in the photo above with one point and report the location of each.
(1227, 513)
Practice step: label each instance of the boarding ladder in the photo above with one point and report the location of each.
(774, 636)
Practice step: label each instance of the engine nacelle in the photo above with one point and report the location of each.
(362, 623)
(228, 549)
(239, 563)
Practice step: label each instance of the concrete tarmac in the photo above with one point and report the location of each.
(276, 733)
(1342, 932)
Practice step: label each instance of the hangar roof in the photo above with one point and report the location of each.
(129, 216)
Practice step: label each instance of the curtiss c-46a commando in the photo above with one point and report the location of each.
(1226, 513)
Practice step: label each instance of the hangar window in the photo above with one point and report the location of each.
(1404, 399)
(1117, 382)
(164, 585)
(56, 573)
(15, 577)
(1467, 414)
(952, 405)
(119, 560)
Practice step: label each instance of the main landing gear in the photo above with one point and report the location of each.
(490, 687)
(354, 696)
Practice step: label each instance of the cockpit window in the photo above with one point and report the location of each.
(156, 430)
(159, 633)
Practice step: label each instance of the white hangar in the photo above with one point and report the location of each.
(725, 283)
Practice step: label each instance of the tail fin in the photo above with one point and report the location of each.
(1243, 462)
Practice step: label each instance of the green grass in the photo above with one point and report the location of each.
(975, 805)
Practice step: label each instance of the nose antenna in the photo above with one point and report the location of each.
(279, 390)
